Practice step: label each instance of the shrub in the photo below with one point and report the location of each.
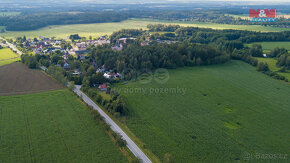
(168, 158)
(121, 142)
(107, 127)
(263, 67)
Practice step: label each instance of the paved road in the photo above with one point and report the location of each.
(130, 144)
(12, 46)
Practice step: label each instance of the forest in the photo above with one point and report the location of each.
(32, 21)
(38, 20)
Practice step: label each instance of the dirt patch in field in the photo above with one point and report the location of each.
(16, 79)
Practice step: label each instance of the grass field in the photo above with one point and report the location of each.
(7, 56)
(52, 127)
(272, 66)
(6, 53)
(225, 112)
(271, 63)
(272, 45)
(95, 30)
(6, 62)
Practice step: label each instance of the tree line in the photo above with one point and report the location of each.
(38, 20)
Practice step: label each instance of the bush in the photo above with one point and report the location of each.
(263, 67)
(121, 142)
(107, 127)
(99, 99)
(114, 135)
(168, 158)
(282, 77)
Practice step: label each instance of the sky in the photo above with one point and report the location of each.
(134, 1)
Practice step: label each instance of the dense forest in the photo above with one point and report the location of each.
(38, 20)
(136, 58)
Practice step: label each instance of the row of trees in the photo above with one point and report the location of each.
(116, 105)
(37, 20)
(205, 35)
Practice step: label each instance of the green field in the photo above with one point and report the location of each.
(7, 56)
(52, 127)
(219, 26)
(272, 66)
(225, 112)
(9, 61)
(6, 53)
(272, 45)
(271, 63)
(95, 30)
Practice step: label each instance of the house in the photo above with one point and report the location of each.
(81, 56)
(107, 75)
(101, 69)
(37, 50)
(117, 47)
(102, 42)
(77, 72)
(66, 66)
(125, 40)
(102, 87)
(144, 43)
(102, 37)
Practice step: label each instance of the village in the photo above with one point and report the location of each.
(78, 48)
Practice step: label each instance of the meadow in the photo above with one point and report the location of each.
(99, 29)
(7, 56)
(52, 127)
(272, 66)
(271, 63)
(6, 53)
(271, 45)
(6, 62)
(216, 113)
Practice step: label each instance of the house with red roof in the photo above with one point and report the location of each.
(102, 87)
